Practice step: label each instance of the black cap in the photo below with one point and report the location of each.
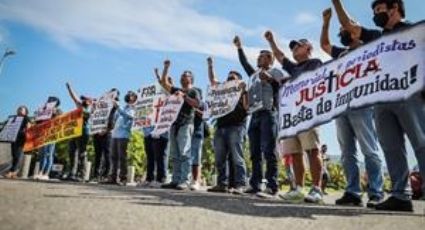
(302, 41)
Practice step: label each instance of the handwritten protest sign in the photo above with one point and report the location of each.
(11, 129)
(102, 110)
(222, 99)
(386, 70)
(168, 114)
(148, 105)
(45, 112)
(60, 128)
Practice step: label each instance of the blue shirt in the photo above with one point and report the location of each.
(124, 122)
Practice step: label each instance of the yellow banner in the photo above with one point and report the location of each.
(63, 127)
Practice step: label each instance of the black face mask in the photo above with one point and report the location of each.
(346, 39)
(381, 19)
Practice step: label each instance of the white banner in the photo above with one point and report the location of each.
(168, 114)
(99, 117)
(150, 100)
(45, 112)
(222, 99)
(386, 70)
(10, 131)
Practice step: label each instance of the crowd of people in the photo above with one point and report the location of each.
(383, 125)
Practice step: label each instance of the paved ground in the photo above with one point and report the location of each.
(44, 206)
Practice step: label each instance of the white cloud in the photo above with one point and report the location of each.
(171, 25)
(304, 18)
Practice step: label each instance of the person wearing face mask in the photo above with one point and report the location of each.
(124, 117)
(181, 132)
(262, 131)
(18, 145)
(355, 126)
(307, 141)
(393, 120)
(229, 137)
(78, 146)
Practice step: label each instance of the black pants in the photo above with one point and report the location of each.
(17, 154)
(78, 156)
(102, 149)
(156, 155)
(119, 159)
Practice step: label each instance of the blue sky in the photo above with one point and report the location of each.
(97, 45)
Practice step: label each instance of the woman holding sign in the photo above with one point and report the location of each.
(18, 144)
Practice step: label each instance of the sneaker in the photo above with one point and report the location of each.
(252, 191)
(44, 177)
(268, 193)
(170, 185)
(145, 184)
(314, 196)
(195, 186)
(183, 186)
(348, 199)
(293, 195)
(395, 204)
(219, 189)
(373, 201)
(239, 190)
(155, 184)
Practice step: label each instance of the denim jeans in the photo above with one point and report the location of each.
(228, 145)
(262, 134)
(102, 149)
(197, 142)
(119, 159)
(358, 125)
(78, 155)
(17, 155)
(46, 160)
(180, 152)
(392, 122)
(156, 155)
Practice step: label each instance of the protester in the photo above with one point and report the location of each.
(262, 129)
(78, 145)
(47, 152)
(156, 153)
(229, 137)
(393, 120)
(355, 125)
(307, 141)
(102, 146)
(181, 131)
(120, 137)
(18, 145)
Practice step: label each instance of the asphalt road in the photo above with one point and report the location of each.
(41, 205)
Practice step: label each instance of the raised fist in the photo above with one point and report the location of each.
(167, 63)
(268, 35)
(237, 42)
(327, 14)
(210, 61)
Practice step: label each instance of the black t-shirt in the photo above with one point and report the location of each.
(337, 52)
(235, 118)
(187, 112)
(20, 139)
(296, 69)
(198, 117)
(368, 35)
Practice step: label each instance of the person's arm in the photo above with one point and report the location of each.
(277, 52)
(73, 95)
(346, 21)
(164, 77)
(158, 77)
(211, 73)
(325, 43)
(244, 96)
(126, 114)
(242, 57)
